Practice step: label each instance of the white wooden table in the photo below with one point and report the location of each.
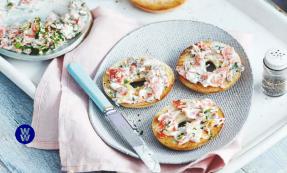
(274, 160)
(267, 121)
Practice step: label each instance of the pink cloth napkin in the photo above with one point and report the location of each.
(61, 120)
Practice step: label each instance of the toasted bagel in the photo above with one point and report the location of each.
(157, 6)
(186, 57)
(158, 128)
(142, 101)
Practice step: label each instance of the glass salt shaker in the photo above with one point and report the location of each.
(274, 81)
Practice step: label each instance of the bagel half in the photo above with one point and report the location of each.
(198, 87)
(171, 143)
(109, 91)
(157, 6)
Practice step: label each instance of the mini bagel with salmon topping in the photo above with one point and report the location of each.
(138, 82)
(188, 123)
(209, 67)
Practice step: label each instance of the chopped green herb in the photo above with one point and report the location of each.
(207, 111)
(18, 45)
(9, 5)
(235, 66)
(126, 81)
(180, 136)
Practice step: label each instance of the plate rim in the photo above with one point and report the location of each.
(124, 150)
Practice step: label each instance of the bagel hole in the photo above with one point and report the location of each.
(210, 67)
(136, 84)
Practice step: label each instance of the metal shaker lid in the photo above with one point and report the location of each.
(276, 59)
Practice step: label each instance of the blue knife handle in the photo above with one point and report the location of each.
(90, 88)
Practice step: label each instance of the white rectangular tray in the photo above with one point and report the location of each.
(267, 122)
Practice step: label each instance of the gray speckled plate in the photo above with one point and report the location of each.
(68, 46)
(165, 41)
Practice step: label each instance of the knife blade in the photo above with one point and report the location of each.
(115, 118)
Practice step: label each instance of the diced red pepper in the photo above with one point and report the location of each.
(161, 125)
(161, 135)
(113, 74)
(149, 94)
(173, 129)
(30, 35)
(176, 103)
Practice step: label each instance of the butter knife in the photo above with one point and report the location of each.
(115, 118)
